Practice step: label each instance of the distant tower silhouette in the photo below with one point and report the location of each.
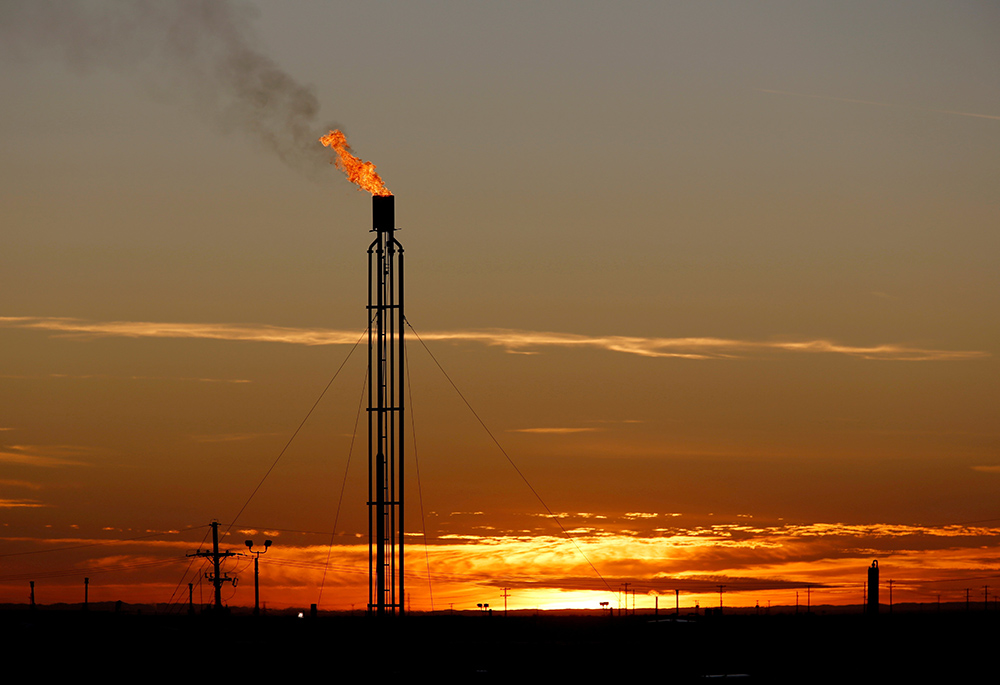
(386, 386)
(873, 587)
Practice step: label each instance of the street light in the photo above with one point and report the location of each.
(256, 574)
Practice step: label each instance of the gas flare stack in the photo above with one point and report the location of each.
(386, 392)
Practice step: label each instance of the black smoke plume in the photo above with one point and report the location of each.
(204, 51)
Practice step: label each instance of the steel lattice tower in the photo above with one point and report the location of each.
(386, 386)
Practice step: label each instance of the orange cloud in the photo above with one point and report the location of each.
(20, 503)
(509, 339)
(27, 459)
(755, 562)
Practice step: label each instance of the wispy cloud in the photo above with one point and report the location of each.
(511, 340)
(20, 503)
(24, 459)
(28, 485)
(43, 456)
(150, 329)
(878, 104)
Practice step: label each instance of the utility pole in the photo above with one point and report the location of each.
(986, 598)
(216, 576)
(191, 599)
(677, 602)
(256, 574)
(33, 593)
(505, 595)
(809, 598)
(720, 598)
(890, 595)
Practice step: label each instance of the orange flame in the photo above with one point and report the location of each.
(361, 173)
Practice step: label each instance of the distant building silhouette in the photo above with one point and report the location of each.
(873, 587)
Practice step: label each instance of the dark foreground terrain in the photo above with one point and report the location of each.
(477, 647)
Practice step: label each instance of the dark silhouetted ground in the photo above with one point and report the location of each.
(523, 647)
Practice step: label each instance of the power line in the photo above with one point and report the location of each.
(509, 460)
(420, 490)
(343, 487)
(301, 424)
(180, 583)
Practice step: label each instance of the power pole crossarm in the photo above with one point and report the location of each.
(216, 576)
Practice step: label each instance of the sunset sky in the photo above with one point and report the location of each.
(720, 277)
